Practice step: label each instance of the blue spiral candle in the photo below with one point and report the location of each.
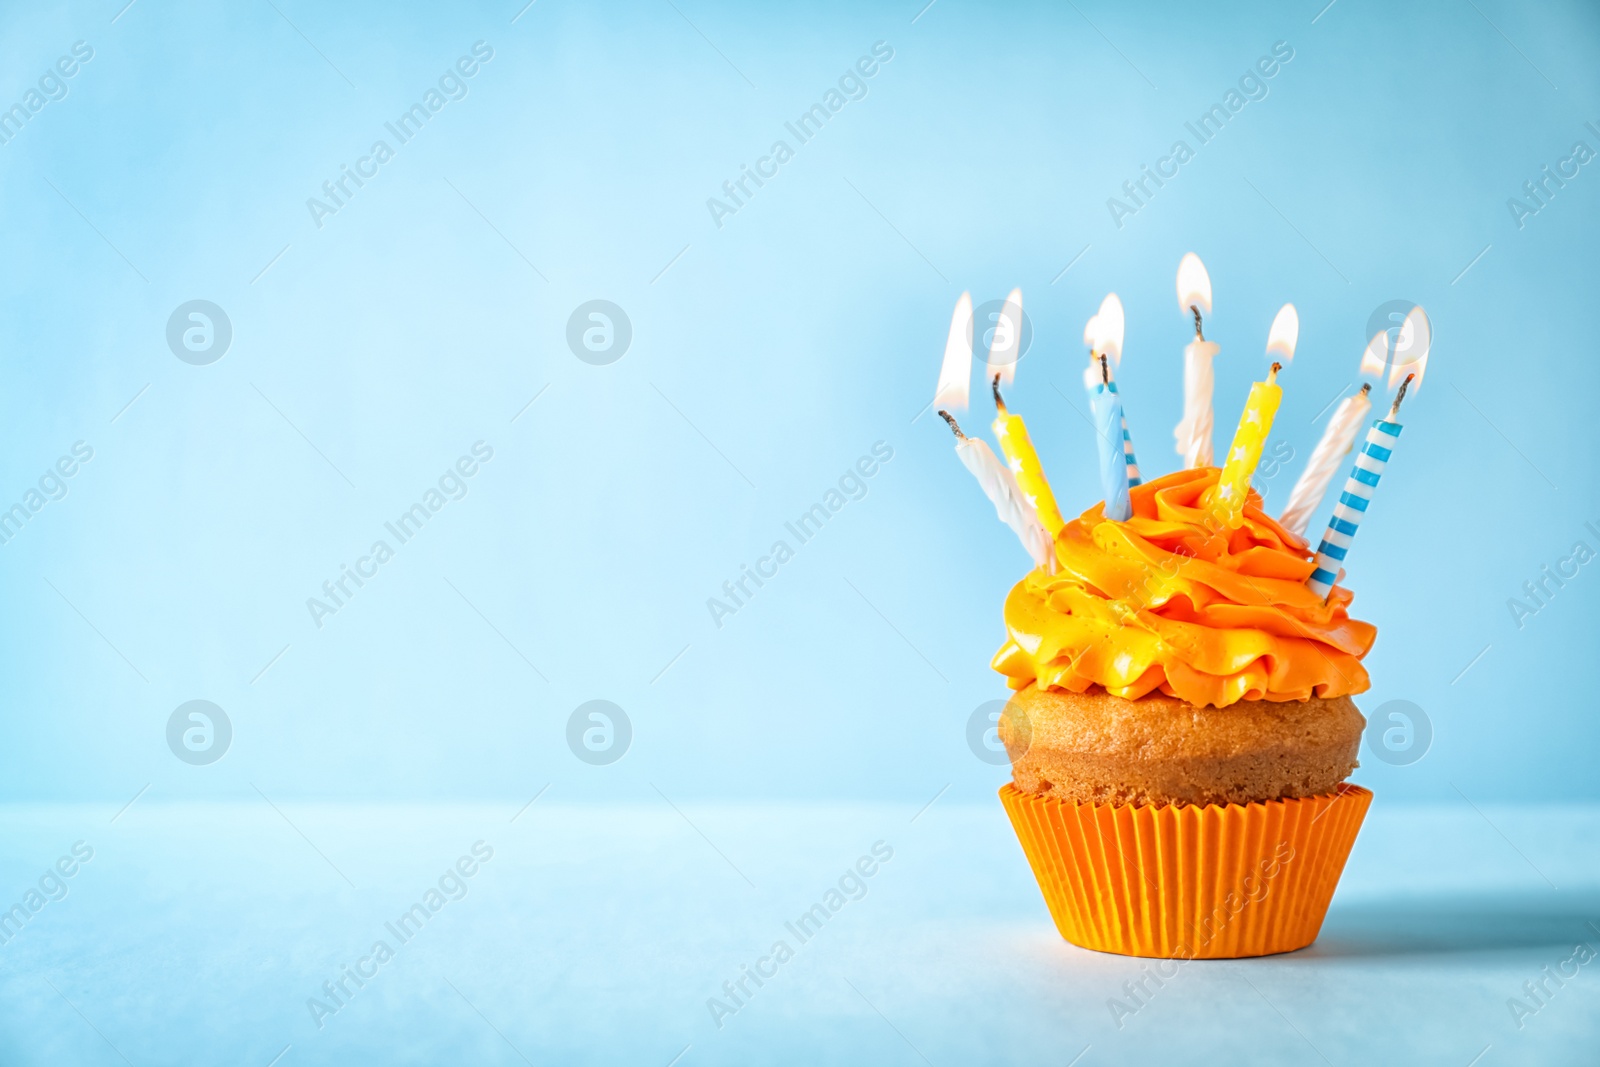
(1358, 489)
(1113, 454)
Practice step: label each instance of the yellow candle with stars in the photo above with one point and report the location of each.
(1233, 486)
(1024, 463)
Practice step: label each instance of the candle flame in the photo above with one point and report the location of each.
(1194, 284)
(1091, 334)
(1007, 343)
(1111, 325)
(1285, 333)
(1411, 348)
(1376, 355)
(955, 373)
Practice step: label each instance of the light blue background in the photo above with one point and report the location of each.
(765, 359)
(767, 355)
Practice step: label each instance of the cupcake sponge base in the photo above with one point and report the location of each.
(1188, 881)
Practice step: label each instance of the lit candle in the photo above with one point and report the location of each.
(1103, 334)
(1412, 344)
(1402, 351)
(1113, 460)
(1006, 347)
(1193, 432)
(1023, 461)
(1358, 490)
(1413, 339)
(1284, 333)
(1376, 356)
(955, 373)
(1326, 459)
(1001, 489)
(1226, 506)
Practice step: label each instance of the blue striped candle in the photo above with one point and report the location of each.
(1352, 505)
(1127, 444)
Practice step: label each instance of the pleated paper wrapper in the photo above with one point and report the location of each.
(1207, 881)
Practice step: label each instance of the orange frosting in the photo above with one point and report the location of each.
(1162, 601)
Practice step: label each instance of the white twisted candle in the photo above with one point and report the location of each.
(1327, 459)
(1000, 486)
(1193, 432)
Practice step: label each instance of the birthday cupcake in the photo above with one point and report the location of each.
(1183, 665)
(1182, 728)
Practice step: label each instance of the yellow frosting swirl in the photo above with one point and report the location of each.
(1163, 601)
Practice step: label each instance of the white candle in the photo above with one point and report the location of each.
(1000, 486)
(1193, 432)
(1326, 460)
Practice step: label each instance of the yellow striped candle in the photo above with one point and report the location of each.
(1226, 507)
(1012, 434)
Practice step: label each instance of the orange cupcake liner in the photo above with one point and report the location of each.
(1208, 881)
